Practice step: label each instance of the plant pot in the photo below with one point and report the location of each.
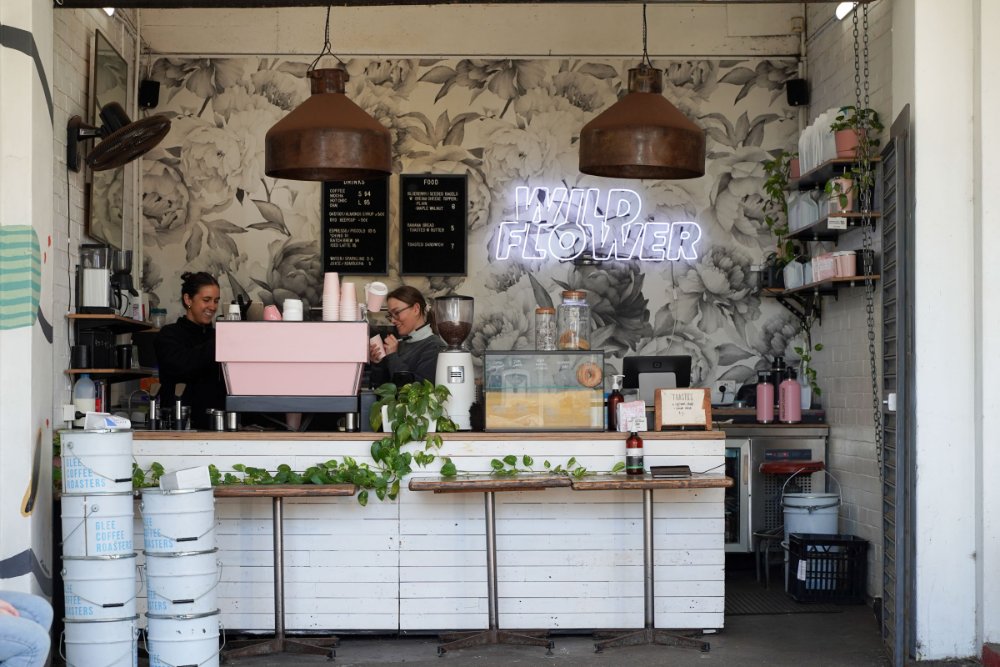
(846, 142)
(387, 425)
(843, 186)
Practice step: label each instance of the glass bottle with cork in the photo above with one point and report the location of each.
(574, 321)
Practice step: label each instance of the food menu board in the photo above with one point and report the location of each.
(432, 224)
(356, 227)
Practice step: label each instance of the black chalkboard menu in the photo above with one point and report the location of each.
(356, 227)
(432, 225)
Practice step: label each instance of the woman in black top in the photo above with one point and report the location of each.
(185, 351)
(414, 347)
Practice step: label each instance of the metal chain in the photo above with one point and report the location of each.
(645, 52)
(867, 186)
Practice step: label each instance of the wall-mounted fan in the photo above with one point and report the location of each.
(121, 139)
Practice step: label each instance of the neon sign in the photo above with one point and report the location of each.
(566, 222)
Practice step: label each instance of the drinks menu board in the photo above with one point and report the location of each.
(433, 224)
(356, 227)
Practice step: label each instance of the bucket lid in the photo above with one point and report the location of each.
(109, 557)
(177, 554)
(101, 620)
(183, 617)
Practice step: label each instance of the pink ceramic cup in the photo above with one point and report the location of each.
(271, 313)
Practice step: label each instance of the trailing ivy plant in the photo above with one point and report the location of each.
(508, 466)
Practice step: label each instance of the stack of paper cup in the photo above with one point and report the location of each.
(291, 310)
(348, 302)
(331, 297)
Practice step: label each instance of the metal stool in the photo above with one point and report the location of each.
(768, 538)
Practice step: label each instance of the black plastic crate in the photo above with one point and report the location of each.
(827, 568)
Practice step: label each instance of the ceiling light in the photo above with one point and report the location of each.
(643, 135)
(844, 8)
(328, 137)
(110, 11)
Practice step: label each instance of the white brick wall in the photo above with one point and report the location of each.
(73, 43)
(843, 369)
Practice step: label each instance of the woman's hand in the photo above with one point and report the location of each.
(375, 352)
(391, 344)
(7, 610)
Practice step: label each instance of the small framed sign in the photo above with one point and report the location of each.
(682, 408)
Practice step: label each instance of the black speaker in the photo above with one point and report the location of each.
(149, 93)
(797, 92)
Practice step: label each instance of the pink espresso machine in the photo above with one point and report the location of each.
(292, 366)
(454, 366)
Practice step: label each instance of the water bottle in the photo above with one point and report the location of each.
(84, 397)
(765, 397)
(790, 399)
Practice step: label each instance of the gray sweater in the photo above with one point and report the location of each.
(415, 356)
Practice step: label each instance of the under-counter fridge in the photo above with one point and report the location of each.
(753, 503)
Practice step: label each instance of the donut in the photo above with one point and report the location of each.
(589, 374)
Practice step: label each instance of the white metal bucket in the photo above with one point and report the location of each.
(176, 521)
(810, 512)
(96, 461)
(101, 643)
(99, 525)
(182, 584)
(191, 640)
(99, 588)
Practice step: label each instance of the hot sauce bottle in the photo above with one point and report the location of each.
(633, 455)
(615, 398)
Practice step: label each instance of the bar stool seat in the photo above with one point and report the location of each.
(488, 485)
(277, 493)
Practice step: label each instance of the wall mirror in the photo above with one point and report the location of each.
(106, 205)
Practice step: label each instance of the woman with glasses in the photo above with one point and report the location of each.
(414, 347)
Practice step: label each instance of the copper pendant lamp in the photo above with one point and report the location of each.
(643, 135)
(328, 137)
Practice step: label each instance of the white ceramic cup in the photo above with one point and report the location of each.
(292, 310)
(375, 295)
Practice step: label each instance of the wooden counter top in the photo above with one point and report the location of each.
(483, 483)
(284, 490)
(368, 436)
(647, 481)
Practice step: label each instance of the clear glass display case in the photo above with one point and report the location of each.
(544, 390)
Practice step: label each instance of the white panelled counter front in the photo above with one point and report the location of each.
(566, 559)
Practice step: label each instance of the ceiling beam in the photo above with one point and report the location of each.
(226, 4)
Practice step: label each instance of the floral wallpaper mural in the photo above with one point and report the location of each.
(208, 206)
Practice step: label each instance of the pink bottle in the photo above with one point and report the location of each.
(789, 399)
(765, 397)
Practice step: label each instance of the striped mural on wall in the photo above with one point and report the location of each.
(20, 276)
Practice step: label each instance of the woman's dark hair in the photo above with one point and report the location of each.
(191, 283)
(409, 296)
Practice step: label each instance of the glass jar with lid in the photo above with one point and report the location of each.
(574, 321)
(545, 328)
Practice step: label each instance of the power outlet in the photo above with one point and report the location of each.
(724, 392)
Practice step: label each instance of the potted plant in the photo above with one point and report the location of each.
(778, 171)
(413, 411)
(847, 130)
(840, 194)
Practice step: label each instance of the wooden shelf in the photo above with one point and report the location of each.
(114, 323)
(817, 177)
(113, 374)
(821, 231)
(829, 286)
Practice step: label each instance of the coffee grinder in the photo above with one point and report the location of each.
(121, 278)
(454, 366)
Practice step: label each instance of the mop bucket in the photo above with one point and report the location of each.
(178, 521)
(99, 589)
(96, 461)
(112, 643)
(191, 640)
(99, 525)
(182, 584)
(810, 512)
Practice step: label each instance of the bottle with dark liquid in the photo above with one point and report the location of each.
(634, 464)
(614, 399)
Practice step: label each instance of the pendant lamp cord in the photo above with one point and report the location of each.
(645, 53)
(327, 46)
